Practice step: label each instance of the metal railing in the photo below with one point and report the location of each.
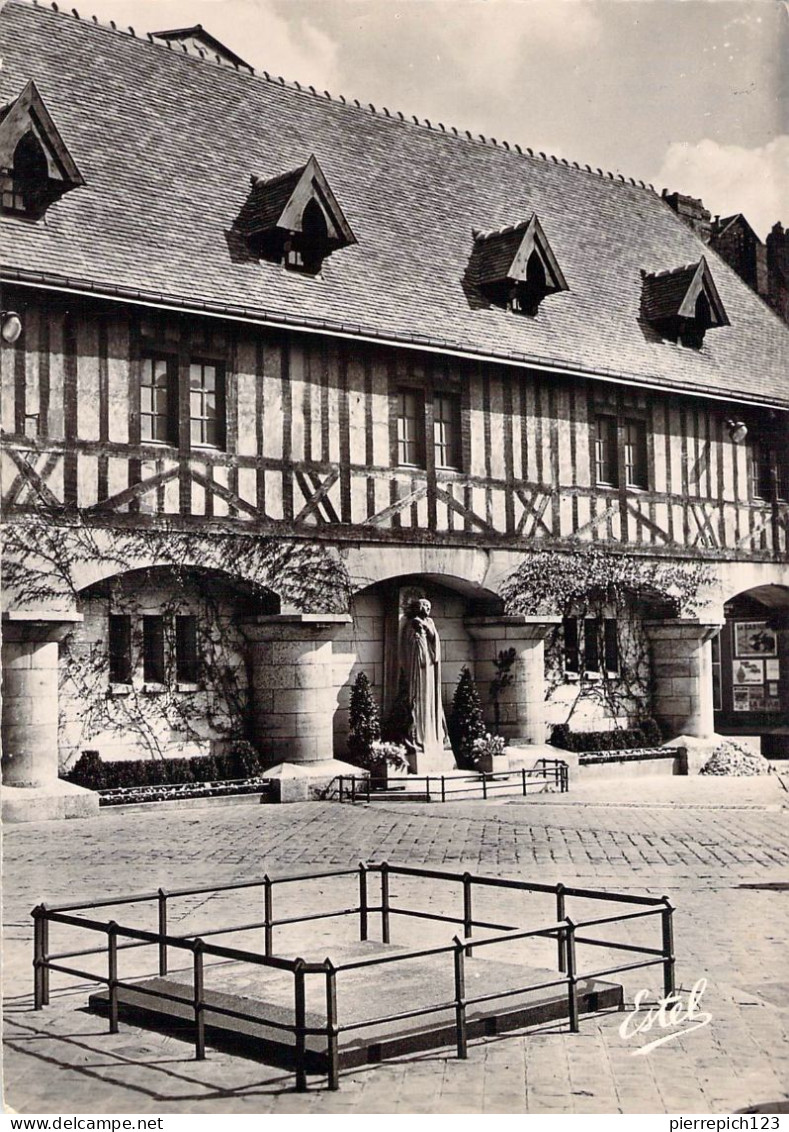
(564, 930)
(443, 788)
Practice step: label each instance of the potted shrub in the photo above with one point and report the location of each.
(387, 760)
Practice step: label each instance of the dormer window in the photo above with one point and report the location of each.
(683, 304)
(35, 165)
(295, 219)
(515, 267)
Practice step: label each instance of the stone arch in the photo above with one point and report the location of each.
(159, 665)
(751, 665)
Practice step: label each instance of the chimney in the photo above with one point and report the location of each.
(692, 211)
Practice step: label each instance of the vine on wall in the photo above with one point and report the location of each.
(596, 583)
(49, 559)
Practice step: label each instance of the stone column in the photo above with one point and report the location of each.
(30, 697)
(522, 704)
(682, 675)
(293, 691)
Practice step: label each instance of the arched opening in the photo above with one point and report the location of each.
(372, 642)
(750, 662)
(158, 667)
(31, 173)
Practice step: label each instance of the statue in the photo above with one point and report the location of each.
(421, 660)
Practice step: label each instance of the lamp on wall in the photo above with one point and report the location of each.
(10, 327)
(738, 430)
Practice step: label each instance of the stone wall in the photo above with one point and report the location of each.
(140, 720)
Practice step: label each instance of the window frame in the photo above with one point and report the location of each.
(170, 416)
(187, 651)
(635, 456)
(768, 477)
(154, 657)
(219, 393)
(621, 456)
(119, 648)
(402, 440)
(453, 445)
(591, 647)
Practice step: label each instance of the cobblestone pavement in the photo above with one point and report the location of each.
(722, 856)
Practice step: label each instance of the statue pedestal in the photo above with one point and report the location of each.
(434, 760)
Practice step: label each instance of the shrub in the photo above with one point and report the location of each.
(624, 739)
(466, 720)
(91, 772)
(88, 771)
(364, 722)
(653, 736)
(244, 760)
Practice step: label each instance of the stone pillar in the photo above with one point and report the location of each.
(30, 698)
(522, 704)
(682, 675)
(293, 691)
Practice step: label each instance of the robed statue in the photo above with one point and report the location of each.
(421, 662)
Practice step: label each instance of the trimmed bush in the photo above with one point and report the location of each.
(90, 771)
(466, 720)
(364, 722)
(624, 739)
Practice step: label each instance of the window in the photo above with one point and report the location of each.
(187, 662)
(571, 645)
(153, 649)
(636, 454)
(593, 641)
(410, 428)
(633, 459)
(606, 464)
(591, 644)
(769, 473)
(120, 649)
(206, 405)
(159, 400)
(306, 250)
(25, 186)
(446, 430)
(610, 645)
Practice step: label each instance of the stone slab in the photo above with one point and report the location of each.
(266, 995)
(47, 803)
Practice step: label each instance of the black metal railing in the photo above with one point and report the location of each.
(444, 788)
(567, 933)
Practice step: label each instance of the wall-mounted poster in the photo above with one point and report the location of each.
(747, 671)
(741, 701)
(753, 638)
(772, 670)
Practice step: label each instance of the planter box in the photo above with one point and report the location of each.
(493, 764)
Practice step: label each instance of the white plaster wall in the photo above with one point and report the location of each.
(173, 723)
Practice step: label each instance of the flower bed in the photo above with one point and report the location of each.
(175, 791)
(638, 754)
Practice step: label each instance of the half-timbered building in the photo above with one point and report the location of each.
(274, 361)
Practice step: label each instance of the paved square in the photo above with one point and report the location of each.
(718, 849)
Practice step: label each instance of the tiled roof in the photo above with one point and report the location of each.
(266, 202)
(167, 143)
